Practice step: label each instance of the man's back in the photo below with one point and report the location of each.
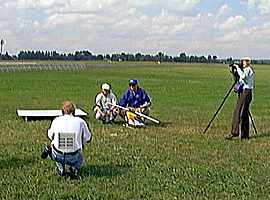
(69, 124)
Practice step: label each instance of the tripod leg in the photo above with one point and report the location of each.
(252, 121)
(224, 99)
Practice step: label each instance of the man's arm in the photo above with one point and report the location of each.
(98, 106)
(242, 73)
(87, 136)
(114, 99)
(146, 99)
(98, 100)
(51, 131)
(124, 100)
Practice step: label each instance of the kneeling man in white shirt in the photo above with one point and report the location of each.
(68, 135)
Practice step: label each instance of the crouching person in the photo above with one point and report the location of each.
(68, 135)
(136, 99)
(104, 101)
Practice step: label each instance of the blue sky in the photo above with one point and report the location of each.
(226, 28)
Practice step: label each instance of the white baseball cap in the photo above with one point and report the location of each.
(105, 86)
(246, 58)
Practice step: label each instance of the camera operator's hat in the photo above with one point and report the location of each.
(246, 58)
(133, 82)
(105, 86)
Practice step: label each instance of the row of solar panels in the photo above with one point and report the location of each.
(40, 67)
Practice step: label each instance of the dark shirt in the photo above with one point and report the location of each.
(134, 99)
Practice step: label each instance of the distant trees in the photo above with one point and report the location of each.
(86, 55)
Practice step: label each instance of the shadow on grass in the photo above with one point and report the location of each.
(104, 170)
(164, 124)
(15, 162)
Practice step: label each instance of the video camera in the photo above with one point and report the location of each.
(233, 69)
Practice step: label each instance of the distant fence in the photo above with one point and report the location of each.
(41, 67)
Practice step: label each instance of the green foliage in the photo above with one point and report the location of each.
(173, 161)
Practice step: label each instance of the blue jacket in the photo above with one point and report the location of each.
(134, 99)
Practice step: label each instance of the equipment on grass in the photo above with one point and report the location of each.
(252, 121)
(137, 113)
(233, 69)
(39, 114)
(219, 108)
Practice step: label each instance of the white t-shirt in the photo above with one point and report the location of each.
(246, 77)
(69, 124)
(102, 100)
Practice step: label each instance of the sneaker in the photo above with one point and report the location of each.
(245, 138)
(60, 168)
(229, 137)
(46, 152)
(60, 172)
(74, 173)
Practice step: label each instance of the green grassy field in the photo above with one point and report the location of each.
(173, 161)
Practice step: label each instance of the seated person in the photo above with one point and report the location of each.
(137, 100)
(68, 134)
(104, 109)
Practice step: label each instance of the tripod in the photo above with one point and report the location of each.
(219, 108)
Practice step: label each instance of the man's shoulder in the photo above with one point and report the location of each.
(127, 92)
(58, 118)
(112, 94)
(142, 90)
(80, 120)
(99, 95)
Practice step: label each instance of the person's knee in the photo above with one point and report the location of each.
(146, 111)
(98, 115)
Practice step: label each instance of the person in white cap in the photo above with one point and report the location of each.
(103, 108)
(240, 122)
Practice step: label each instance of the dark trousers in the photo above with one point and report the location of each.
(241, 114)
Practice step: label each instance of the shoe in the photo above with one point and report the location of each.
(229, 137)
(61, 172)
(61, 169)
(245, 138)
(46, 152)
(74, 173)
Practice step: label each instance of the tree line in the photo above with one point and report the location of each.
(88, 56)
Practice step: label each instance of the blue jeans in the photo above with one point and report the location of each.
(74, 160)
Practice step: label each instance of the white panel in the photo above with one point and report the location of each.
(46, 113)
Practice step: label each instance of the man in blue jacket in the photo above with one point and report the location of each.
(136, 99)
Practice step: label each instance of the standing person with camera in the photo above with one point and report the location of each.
(245, 85)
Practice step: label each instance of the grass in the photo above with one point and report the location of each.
(173, 161)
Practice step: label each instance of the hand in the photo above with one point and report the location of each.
(116, 110)
(138, 110)
(131, 109)
(102, 114)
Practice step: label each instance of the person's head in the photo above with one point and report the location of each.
(246, 61)
(68, 108)
(133, 84)
(105, 88)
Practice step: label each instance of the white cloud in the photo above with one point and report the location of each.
(232, 22)
(178, 5)
(262, 5)
(107, 26)
(230, 37)
(98, 5)
(223, 10)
